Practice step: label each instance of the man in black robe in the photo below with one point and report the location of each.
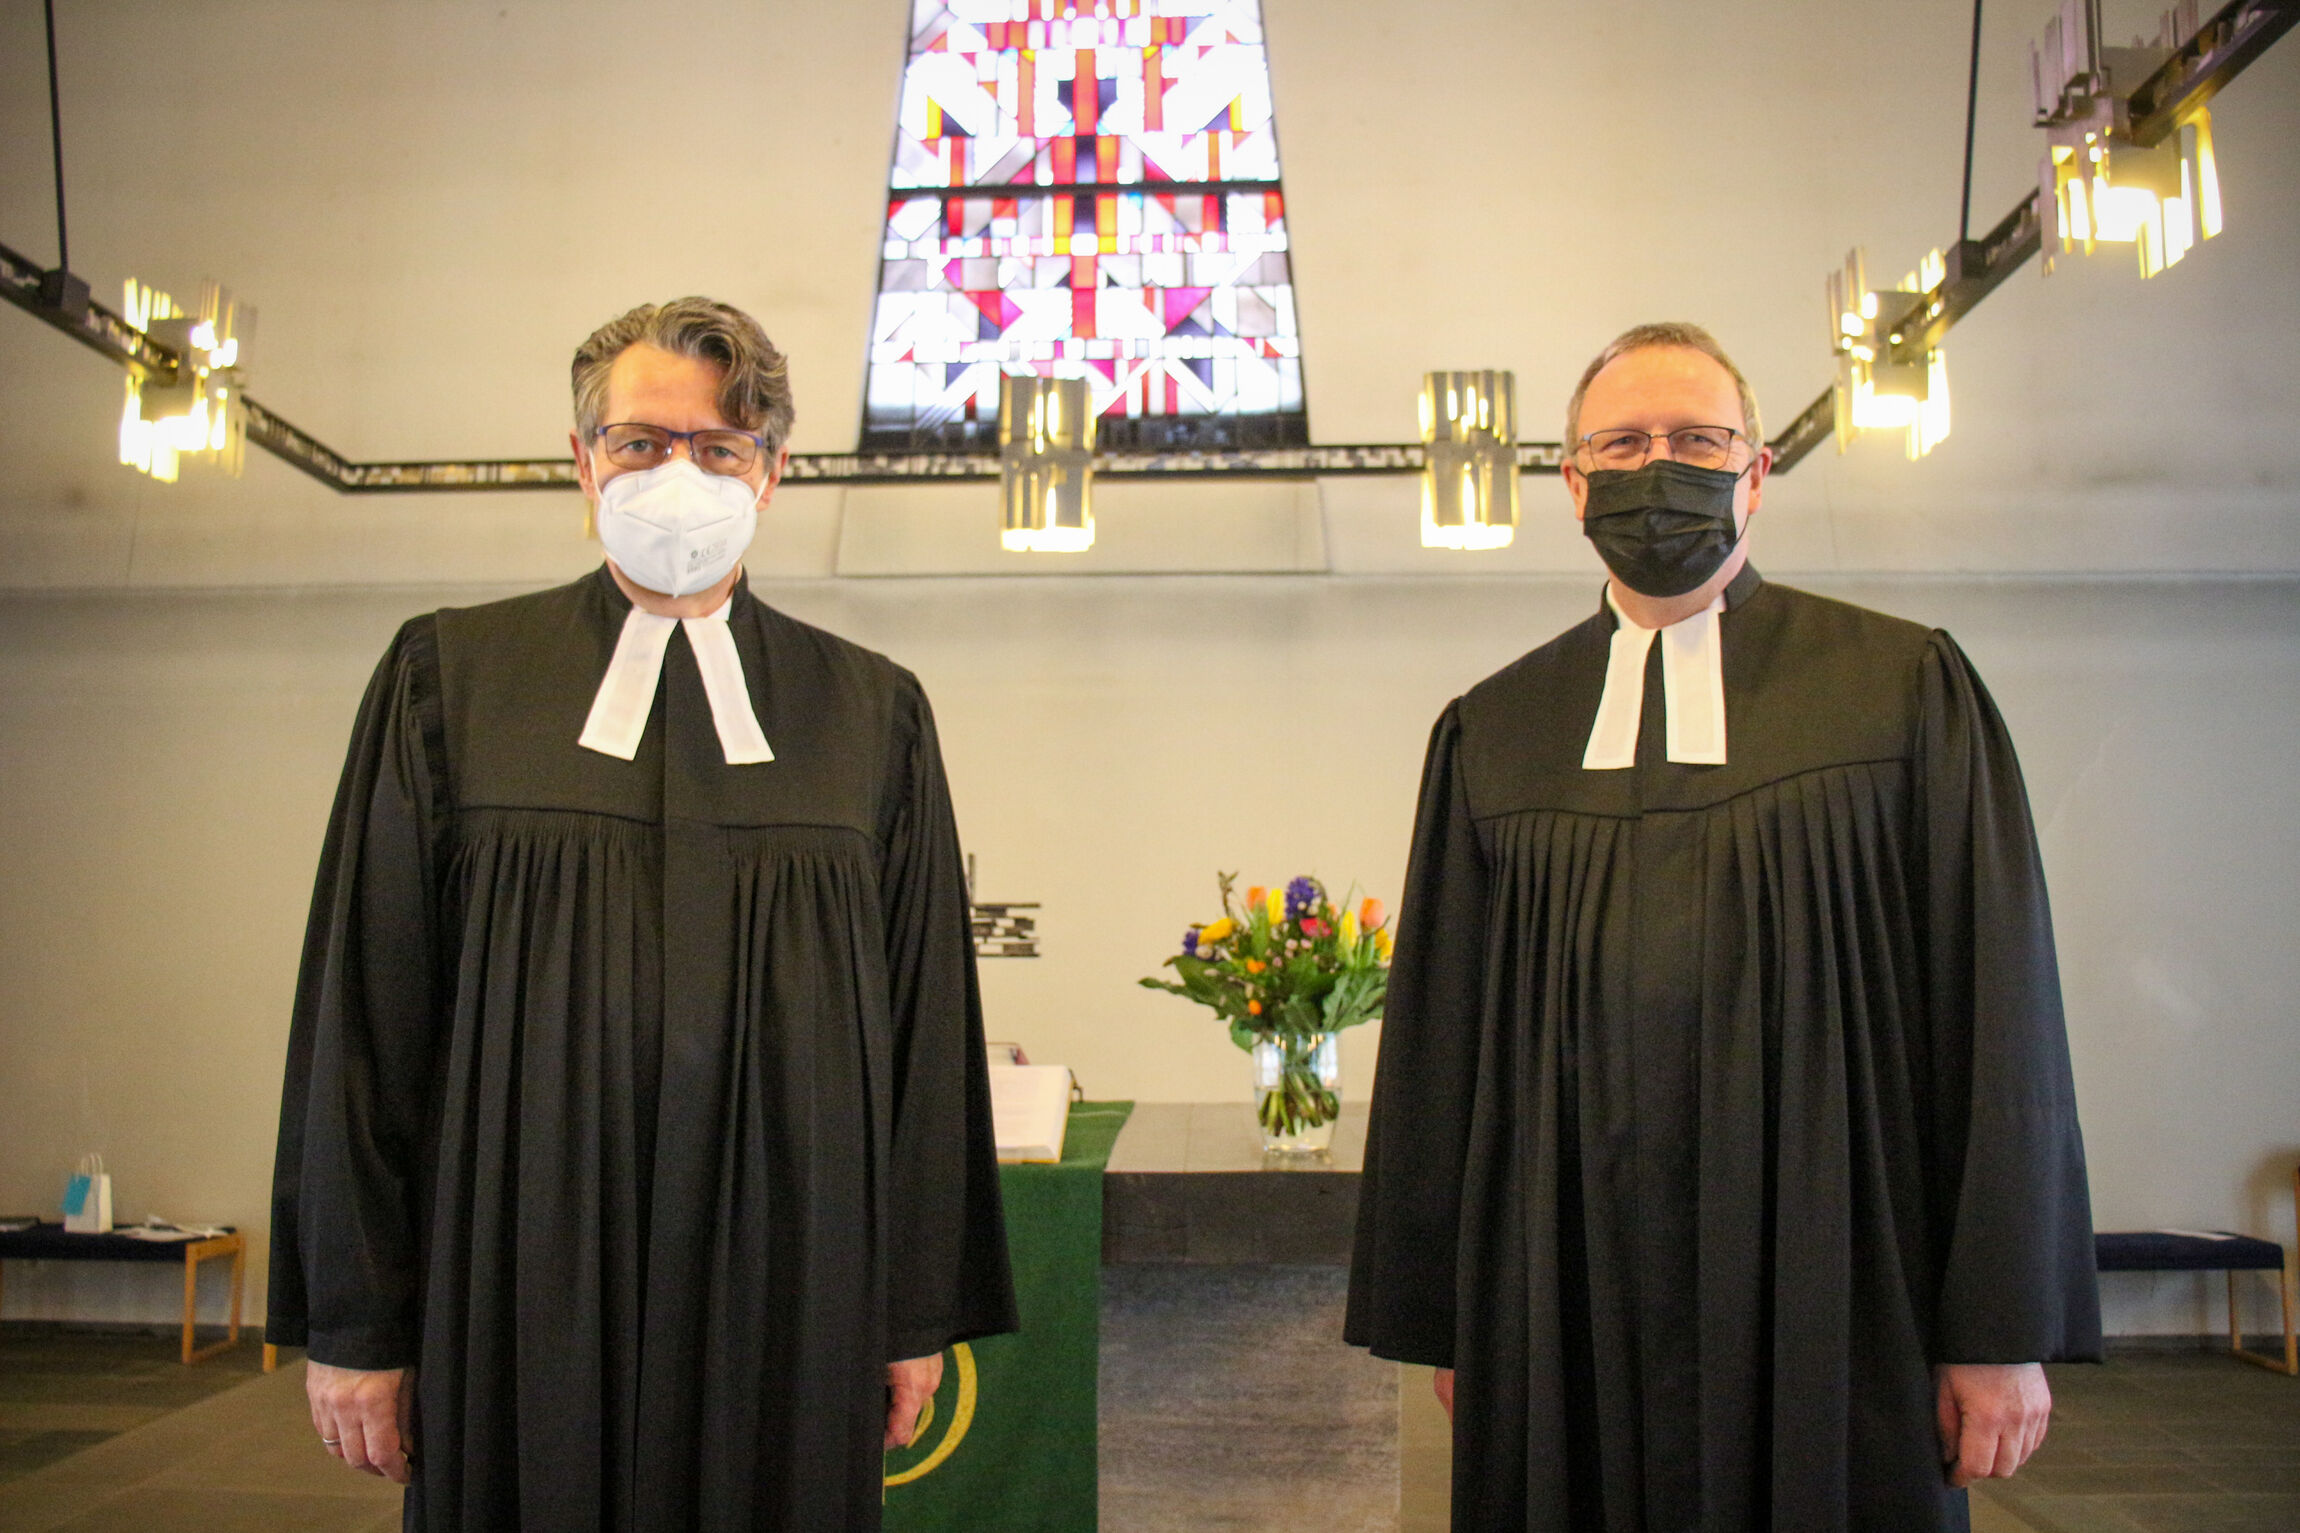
(1724, 1155)
(635, 1159)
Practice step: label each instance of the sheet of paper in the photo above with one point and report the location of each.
(1029, 1110)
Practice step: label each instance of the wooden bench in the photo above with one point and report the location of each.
(2206, 1251)
(53, 1243)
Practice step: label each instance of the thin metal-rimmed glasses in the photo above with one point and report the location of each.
(717, 450)
(1626, 447)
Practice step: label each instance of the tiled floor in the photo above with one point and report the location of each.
(1226, 1404)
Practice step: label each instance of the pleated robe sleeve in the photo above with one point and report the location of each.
(1402, 1300)
(2008, 1184)
(947, 1277)
(348, 1184)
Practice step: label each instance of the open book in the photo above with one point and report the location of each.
(1029, 1110)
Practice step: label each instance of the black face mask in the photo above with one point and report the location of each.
(1662, 529)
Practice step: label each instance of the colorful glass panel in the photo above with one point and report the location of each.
(1087, 188)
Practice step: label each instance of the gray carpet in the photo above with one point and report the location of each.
(2163, 1442)
(1229, 1402)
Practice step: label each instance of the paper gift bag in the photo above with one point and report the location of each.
(88, 1199)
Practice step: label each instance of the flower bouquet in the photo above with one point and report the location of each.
(1287, 972)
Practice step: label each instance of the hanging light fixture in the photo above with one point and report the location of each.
(1877, 391)
(1046, 464)
(197, 412)
(1469, 467)
(2097, 182)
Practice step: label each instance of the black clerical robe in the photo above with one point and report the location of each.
(1718, 1103)
(641, 1104)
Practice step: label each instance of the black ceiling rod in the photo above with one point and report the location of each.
(59, 289)
(1972, 104)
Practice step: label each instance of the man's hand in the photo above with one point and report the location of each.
(1442, 1382)
(1992, 1416)
(909, 1385)
(363, 1416)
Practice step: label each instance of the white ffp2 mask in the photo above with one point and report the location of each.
(675, 529)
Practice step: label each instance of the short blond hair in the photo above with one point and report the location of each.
(755, 378)
(1669, 333)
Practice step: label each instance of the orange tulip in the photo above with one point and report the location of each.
(1254, 896)
(1370, 913)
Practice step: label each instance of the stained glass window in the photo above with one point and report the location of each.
(1087, 188)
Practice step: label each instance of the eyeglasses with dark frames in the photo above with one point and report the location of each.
(717, 450)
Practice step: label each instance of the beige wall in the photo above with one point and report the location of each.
(428, 203)
(166, 762)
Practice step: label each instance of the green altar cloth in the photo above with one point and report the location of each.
(1010, 1441)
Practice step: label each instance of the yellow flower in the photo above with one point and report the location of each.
(1382, 943)
(1218, 932)
(1277, 906)
(1349, 929)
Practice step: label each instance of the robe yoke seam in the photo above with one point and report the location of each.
(1495, 817)
(869, 839)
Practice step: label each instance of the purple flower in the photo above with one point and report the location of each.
(1301, 897)
(1190, 943)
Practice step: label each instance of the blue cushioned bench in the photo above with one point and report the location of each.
(53, 1243)
(2201, 1251)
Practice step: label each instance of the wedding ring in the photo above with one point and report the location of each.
(329, 1442)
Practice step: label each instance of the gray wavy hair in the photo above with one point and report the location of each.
(1669, 333)
(755, 378)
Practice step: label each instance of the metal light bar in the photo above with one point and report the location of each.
(1815, 424)
(95, 327)
(2204, 62)
(106, 332)
(1975, 268)
(2219, 50)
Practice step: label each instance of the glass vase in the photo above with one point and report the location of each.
(1297, 1091)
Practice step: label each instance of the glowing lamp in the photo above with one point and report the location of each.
(1046, 464)
(2095, 184)
(1875, 391)
(1469, 473)
(2163, 200)
(196, 413)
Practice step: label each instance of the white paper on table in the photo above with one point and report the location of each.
(1029, 1110)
